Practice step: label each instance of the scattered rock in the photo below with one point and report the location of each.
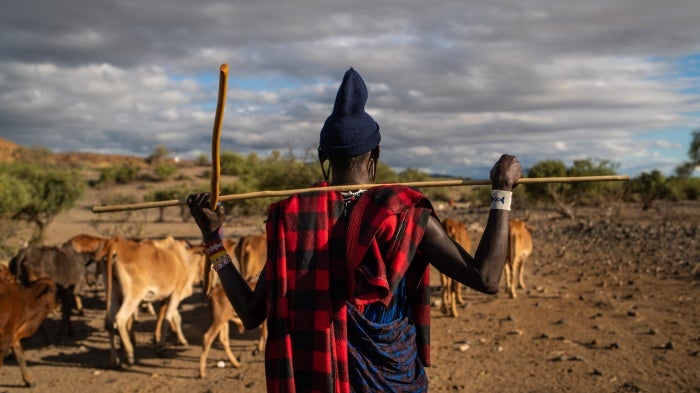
(630, 387)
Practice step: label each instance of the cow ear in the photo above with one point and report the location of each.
(46, 287)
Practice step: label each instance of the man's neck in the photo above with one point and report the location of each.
(349, 179)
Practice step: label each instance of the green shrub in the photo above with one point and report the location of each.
(202, 160)
(177, 192)
(246, 206)
(280, 173)
(164, 169)
(593, 193)
(647, 188)
(119, 174)
(234, 164)
(14, 194)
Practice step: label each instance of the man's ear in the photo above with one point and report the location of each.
(375, 153)
(322, 158)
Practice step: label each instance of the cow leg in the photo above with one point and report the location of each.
(19, 355)
(110, 326)
(507, 269)
(113, 358)
(149, 307)
(445, 283)
(239, 324)
(4, 348)
(263, 338)
(122, 319)
(458, 290)
(130, 328)
(159, 324)
(224, 340)
(513, 279)
(521, 269)
(67, 305)
(176, 325)
(207, 341)
(78, 304)
(173, 316)
(453, 303)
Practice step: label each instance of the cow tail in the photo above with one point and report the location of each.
(108, 275)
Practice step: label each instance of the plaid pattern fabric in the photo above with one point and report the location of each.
(309, 280)
(381, 250)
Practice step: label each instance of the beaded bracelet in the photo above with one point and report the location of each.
(217, 255)
(500, 199)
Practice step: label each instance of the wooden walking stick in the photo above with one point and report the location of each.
(216, 137)
(216, 159)
(418, 184)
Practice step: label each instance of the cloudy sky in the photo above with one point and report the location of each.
(453, 84)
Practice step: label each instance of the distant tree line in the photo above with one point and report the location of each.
(34, 190)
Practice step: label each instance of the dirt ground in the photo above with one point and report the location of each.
(610, 305)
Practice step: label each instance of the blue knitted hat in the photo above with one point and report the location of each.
(349, 130)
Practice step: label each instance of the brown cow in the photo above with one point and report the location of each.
(64, 265)
(140, 271)
(193, 256)
(451, 289)
(519, 248)
(252, 252)
(22, 309)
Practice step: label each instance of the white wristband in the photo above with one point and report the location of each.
(500, 199)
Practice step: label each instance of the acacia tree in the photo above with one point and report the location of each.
(564, 197)
(36, 193)
(550, 193)
(649, 187)
(160, 153)
(180, 191)
(686, 169)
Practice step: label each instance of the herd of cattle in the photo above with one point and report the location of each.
(137, 273)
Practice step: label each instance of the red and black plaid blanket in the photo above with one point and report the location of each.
(318, 260)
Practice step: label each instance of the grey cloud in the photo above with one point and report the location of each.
(452, 84)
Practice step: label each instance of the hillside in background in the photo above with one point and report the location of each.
(9, 152)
